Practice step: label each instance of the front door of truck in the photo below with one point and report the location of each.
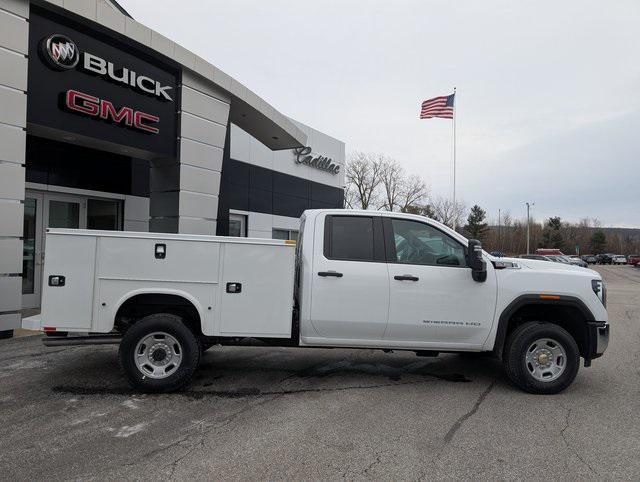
(433, 296)
(350, 280)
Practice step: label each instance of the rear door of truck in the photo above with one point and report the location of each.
(350, 279)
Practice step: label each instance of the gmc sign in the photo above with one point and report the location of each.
(86, 104)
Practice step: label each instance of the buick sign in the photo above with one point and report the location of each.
(60, 52)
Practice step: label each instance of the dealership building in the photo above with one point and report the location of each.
(106, 124)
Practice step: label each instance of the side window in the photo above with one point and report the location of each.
(349, 238)
(419, 243)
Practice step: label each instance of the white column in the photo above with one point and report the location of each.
(184, 194)
(14, 45)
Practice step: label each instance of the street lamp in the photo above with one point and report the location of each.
(528, 207)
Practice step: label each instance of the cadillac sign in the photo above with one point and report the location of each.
(303, 156)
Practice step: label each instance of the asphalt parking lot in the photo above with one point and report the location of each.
(271, 413)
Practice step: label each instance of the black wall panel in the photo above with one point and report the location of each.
(245, 187)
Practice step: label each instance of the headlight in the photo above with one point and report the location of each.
(599, 289)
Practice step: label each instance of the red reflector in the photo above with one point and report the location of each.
(48, 329)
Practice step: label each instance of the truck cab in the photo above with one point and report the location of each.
(387, 280)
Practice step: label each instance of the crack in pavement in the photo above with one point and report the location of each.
(206, 429)
(376, 461)
(458, 423)
(566, 442)
(455, 427)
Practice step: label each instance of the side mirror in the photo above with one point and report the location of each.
(475, 261)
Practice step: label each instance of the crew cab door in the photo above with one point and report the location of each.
(433, 296)
(350, 280)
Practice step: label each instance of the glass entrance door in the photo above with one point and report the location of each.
(63, 211)
(32, 250)
(45, 210)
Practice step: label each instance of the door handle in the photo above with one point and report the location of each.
(335, 274)
(406, 277)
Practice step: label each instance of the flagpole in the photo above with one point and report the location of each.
(454, 158)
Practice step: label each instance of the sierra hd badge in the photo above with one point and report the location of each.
(60, 52)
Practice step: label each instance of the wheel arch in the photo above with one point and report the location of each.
(142, 302)
(533, 307)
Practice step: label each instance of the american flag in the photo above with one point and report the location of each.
(438, 107)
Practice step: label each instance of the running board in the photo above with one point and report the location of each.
(81, 340)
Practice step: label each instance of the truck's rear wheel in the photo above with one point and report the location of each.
(541, 358)
(159, 353)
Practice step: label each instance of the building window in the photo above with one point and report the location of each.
(287, 234)
(238, 225)
(104, 214)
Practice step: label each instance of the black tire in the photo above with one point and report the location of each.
(6, 334)
(515, 363)
(189, 346)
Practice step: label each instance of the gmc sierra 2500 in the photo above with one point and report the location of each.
(357, 279)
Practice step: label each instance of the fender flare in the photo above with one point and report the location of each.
(157, 291)
(534, 299)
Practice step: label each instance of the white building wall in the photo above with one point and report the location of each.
(14, 36)
(246, 148)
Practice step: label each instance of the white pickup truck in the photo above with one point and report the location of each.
(356, 279)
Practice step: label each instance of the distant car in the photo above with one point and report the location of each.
(619, 259)
(590, 259)
(534, 256)
(549, 251)
(558, 259)
(633, 259)
(603, 259)
(577, 261)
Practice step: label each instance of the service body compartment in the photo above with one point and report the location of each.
(104, 269)
(68, 307)
(264, 276)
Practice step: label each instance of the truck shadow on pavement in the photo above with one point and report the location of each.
(281, 372)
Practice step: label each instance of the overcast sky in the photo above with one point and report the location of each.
(548, 104)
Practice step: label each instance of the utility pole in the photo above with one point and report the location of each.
(528, 223)
(499, 236)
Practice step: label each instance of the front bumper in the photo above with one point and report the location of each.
(597, 340)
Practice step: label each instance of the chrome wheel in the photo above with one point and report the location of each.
(158, 355)
(546, 359)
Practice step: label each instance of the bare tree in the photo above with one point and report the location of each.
(413, 193)
(350, 198)
(363, 176)
(448, 212)
(391, 181)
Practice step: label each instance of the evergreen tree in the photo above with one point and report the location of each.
(552, 235)
(476, 228)
(598, 242)
(421, 210)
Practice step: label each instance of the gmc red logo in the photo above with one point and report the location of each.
(82, 103)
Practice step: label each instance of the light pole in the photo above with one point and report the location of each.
(528, 207)
(499, 229)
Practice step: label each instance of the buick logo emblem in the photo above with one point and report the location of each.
(60, 52)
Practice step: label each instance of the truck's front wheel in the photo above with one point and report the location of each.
(541, 358)
(159, 353)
